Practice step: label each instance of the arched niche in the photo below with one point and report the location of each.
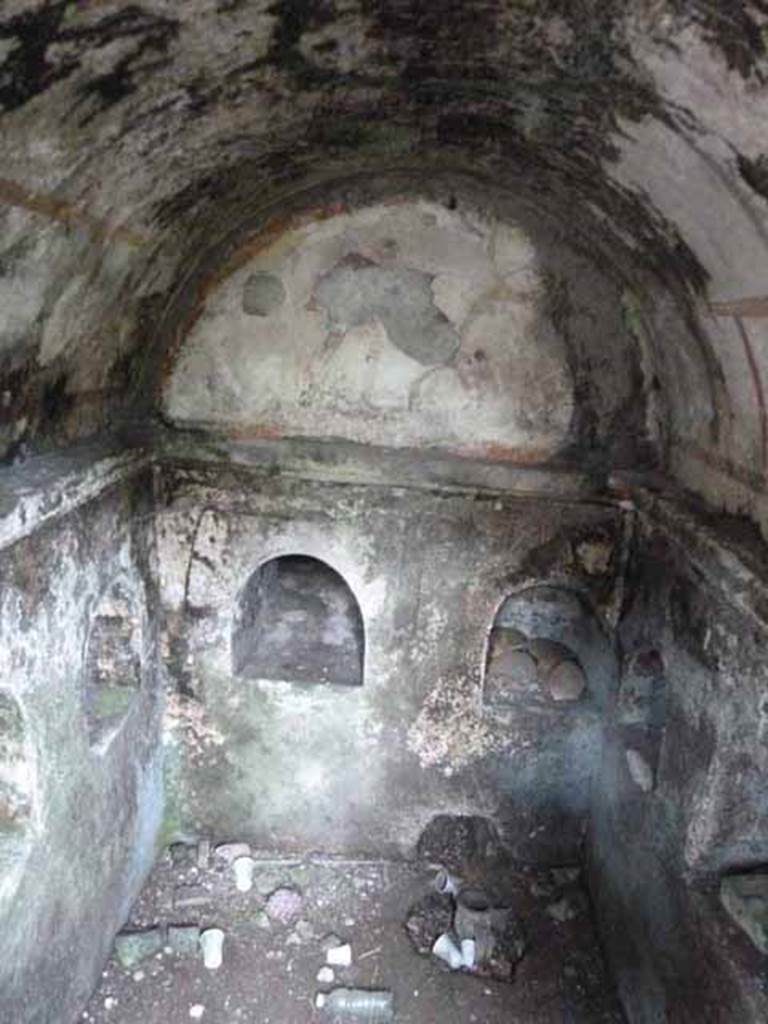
(546, 647)
(113, 661)
(299, 621)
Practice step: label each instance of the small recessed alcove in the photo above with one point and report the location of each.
(299, 622)
(113, 662)
(545, 648)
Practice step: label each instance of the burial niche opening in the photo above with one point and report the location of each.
(532, 649)
(299, 622)
(113, 662)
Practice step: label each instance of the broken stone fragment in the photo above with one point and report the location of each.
(548, 654)
(184, 939)
(229, 852)
(427, 919)
(284, 905)
(203, 853)
(745, 897)
(565, 682)
(304, 931)
(519, 666)
(595, 556)
(186, 896)
(640, 771)
(508, 638)
(562, 911)
(510, 674)
(131, 948)
(183, 855)
(267, 881)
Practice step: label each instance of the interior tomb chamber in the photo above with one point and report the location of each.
(384, 512)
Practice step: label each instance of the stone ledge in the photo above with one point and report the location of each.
(46, 487)
(349, 462)
(727, 550)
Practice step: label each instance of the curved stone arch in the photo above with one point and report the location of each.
(298, 619)
(551, 645)
(18, 793)
(113, 659)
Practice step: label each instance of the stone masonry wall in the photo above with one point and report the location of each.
(78, 854)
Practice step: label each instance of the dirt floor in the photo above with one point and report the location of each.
(269, 970)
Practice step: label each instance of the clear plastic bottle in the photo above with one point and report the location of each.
(359, 1005)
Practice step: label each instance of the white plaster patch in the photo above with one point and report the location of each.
(311, 369)
(449, 731)
(686, 182)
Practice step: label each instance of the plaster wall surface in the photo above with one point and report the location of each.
(143, 140)
(406, 323)
(96, 808)
(363, 769)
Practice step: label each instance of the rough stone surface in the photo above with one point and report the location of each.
(131, 948)
(508, 673)
(745, 897)
(693, 617)
(412, 324)
(416, 286)
(94, 814)
(144, 145)
(639, 770)
(266, 978)
(280, 764)
(565, 682)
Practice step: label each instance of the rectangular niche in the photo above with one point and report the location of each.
(299, 621)
(113, 661)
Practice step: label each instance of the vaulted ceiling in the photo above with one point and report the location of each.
(145, 145)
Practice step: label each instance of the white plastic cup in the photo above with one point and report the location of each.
(446, 884)
(469, 952)
(243, 868)
(339, 956)
(447, 951)
(212, 943)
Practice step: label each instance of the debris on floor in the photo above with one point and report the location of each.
(284, 905)
(339, 955)
(131, 948)
(212, 943)
(312, 935)
(360, 1005)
